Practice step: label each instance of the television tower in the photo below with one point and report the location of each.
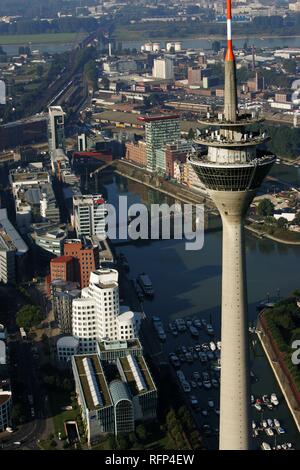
(232, 168)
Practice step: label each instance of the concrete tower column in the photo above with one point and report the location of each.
(235, 391)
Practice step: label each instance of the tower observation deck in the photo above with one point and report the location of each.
(233, 168)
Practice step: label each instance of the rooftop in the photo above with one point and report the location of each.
(161, 117)
(10, 237)
(100, 381)
(61, 259)
(145, 374)
(120, 345)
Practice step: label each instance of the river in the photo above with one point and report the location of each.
(203, 43)
(188, 284)
(51, 48)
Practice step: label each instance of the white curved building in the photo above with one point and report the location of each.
(97, 314)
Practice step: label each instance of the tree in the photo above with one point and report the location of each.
(296, 220)
(17, 413)
(123, 442)
(265, 208)
(29, 316)
(141, 432)
(281, 222)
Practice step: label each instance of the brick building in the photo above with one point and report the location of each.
(85, 253)
(62, 268)
(136, 152)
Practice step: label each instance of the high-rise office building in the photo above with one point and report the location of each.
(232, 170)
(56, 128)
(97, 315)
(89, 215)
(160, 130)
(163, 68)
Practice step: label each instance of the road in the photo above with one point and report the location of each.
(36, 426)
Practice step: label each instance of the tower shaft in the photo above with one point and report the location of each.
(235, 390)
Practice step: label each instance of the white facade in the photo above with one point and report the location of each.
(163, 68)
(89, 215)
(97, 314)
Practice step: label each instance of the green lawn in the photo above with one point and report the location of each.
(57, 401)
(40, 38)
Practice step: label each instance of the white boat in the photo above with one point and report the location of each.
(258, 406)
(219, 345)
(212, 346)
(252, 399)
(265, 446)
(253, 424)
(274, 399)
(265, 399)
(270, 422)
(264, 423)
(276, 423)
(280, 430)
(269, 432)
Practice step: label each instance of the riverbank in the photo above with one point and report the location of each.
(262, 234)
(283, 380)
(54, 38)
(123, 34)
(142, 176)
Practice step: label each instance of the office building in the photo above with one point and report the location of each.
(233, 170)
(160, 130)
(34, 197)
(5, 404)
(113, 396)
(49, 238)
(136, 152)
(56, 128)
(89, 215)
(97, 315)
(163, 68)
(85, 256)
(62, 295)
(62, 268)
(13, 251)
